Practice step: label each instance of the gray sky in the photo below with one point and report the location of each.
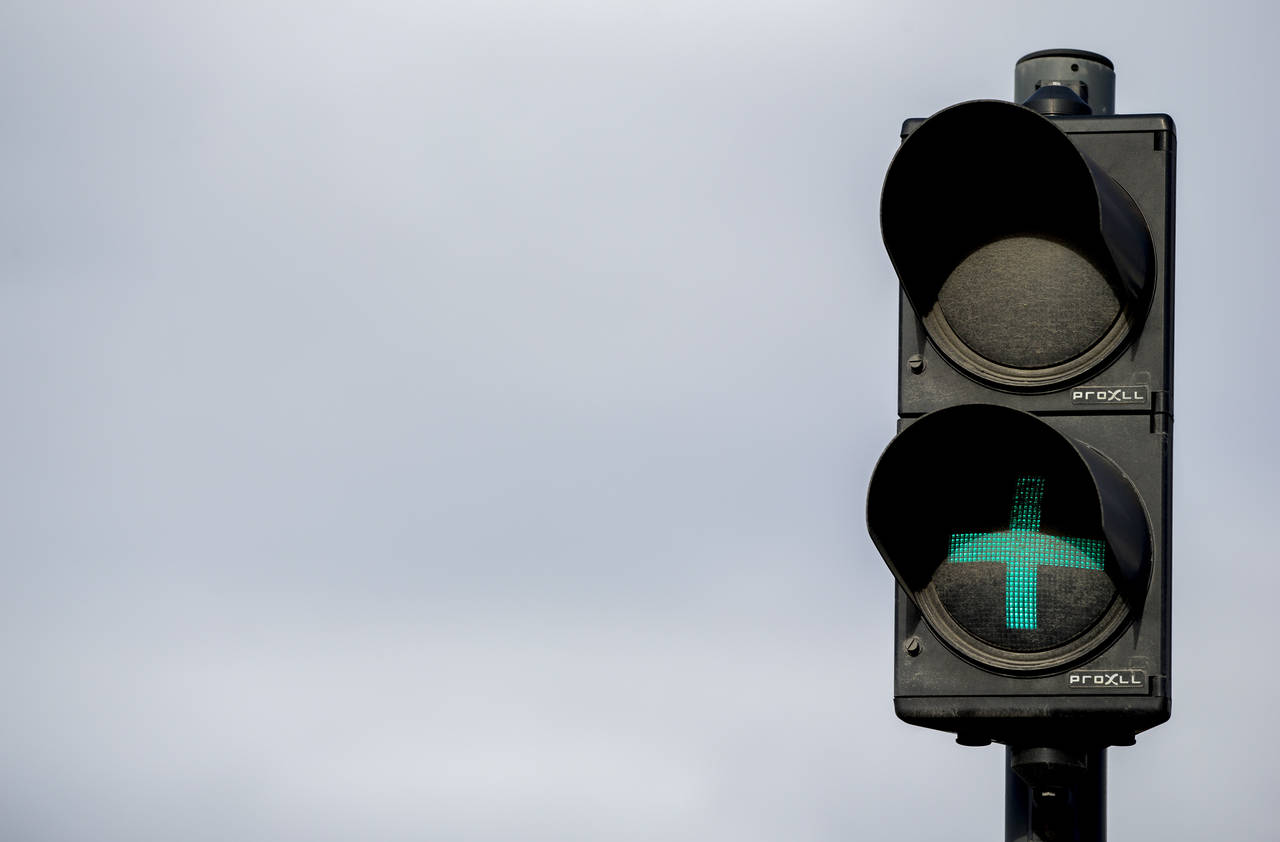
(452, 421)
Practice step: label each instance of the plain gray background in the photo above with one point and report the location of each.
(451, 421)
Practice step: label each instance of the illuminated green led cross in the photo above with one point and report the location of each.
(1023, 548)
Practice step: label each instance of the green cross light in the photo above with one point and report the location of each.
(1023, 548)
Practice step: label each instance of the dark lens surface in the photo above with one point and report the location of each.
(1022, 585)
(1028, 302)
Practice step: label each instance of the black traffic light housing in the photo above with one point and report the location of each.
(1034, 245)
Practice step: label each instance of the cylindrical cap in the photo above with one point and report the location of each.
(1091, 76)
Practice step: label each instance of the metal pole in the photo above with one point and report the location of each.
(1055, 795)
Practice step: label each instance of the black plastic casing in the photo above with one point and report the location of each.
(934, 686)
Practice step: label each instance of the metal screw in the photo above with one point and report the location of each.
(915, 362)
(913, 646)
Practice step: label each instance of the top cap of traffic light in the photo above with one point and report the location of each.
(1028, 265)
(1090, 77)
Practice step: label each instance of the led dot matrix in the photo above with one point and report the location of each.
(1023, 548)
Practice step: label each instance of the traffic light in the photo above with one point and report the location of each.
(1024, 507)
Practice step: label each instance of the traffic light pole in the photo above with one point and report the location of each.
(1055, 795)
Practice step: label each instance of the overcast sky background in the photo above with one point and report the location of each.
(452, 421)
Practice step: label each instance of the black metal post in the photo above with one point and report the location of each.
(1055, 794)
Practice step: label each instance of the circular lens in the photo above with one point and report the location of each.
(1028, 312)
(1024, 592)
(1027, 302)
(1025, 582)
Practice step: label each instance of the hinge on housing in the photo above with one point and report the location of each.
(1161, 411)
